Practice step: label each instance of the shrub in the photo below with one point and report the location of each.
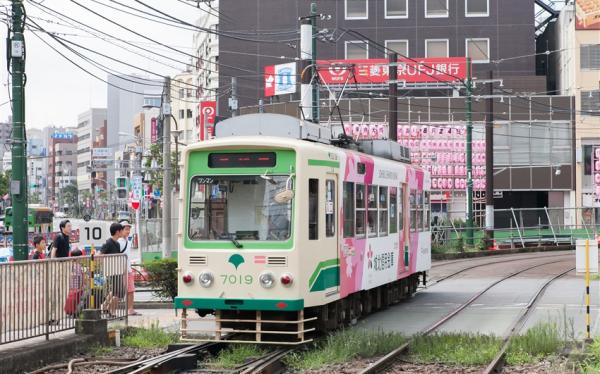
(162, 276)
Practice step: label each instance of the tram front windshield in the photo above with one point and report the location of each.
(240, 208)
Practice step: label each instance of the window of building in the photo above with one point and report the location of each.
(357, 50)
(478, 50)
(398, 46)
(181, 93)
(190, 114)
(393, 210)
(477, 8)
(329, 208)
(436, 48)
(313, 209)
(383, 211)
(590, 56)
(396, 8)
(590, 103)
(360, 211)
(181, 114)
(436, 8)
(348, 209)
(372, 211)
(357, 9)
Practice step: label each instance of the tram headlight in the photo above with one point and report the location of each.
(266, 280)
(206, 279)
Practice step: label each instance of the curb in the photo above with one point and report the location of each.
(499, 252)
(153, 305)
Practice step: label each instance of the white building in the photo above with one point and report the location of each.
(183, 107)
(89, 124)
(206, 48)
(6, 162)
(36, 159)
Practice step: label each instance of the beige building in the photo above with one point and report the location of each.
(574, 69)
(183, 105)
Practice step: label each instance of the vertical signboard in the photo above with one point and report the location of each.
(153, 130)
(207, 115)
(587, 14)
(596, 172)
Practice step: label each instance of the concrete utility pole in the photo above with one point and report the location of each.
(233, 101)
(166, 193)
(489, 163)
(309, 91)
(469, 114)
(18, 184)
(393, 97)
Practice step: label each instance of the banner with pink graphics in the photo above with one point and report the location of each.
(596, 171)
(439, 149)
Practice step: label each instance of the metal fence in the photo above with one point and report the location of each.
(41, 297)
(524, 227)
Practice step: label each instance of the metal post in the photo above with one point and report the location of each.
(469, 155)
(393, 97)
(166, 195)
(587, 290)
(489, 164)
(306, 92)
(18, 184)
(313, 62)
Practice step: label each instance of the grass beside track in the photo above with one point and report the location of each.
(344, 346)
(149, 337)
(236, 355)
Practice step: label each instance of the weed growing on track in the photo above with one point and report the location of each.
(343, 346)
(540, 341)
(236, 355)
(151, 337)
(452, 348)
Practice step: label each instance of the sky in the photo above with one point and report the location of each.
(57, 91)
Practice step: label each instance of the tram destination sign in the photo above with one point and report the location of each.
(376, 71)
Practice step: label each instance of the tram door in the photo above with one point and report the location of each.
(331, 209)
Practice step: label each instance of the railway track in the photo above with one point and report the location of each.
(380, 365)
(503, 258)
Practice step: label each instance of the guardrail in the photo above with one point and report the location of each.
(42, 297)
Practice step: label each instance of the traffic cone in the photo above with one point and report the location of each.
(493, 247)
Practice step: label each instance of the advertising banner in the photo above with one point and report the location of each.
(587, 14)
(153, 130)
(376, 71)
(280, 79)
(439, 149)
(596, 171)
(207, 115)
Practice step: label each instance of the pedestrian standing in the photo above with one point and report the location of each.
(39, 248)
(61, 247)
(126, 249)
(115, 278)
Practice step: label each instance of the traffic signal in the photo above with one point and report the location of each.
(121, 183)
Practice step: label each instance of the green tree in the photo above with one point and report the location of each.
(156, 154)
(70, 197)
(4, 182)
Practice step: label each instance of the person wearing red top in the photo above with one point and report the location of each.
(39, 244)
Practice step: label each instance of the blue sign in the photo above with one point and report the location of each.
(62, 135)
(285, 81)
(156, 194)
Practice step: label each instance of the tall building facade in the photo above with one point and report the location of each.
(62, 164)
(573, 68)
(89, 125)
(36, 158)
(183, 107)
(5, 137)
(498, 35)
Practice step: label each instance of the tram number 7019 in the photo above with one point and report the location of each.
(236, 279)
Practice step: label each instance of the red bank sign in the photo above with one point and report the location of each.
(208, 112)
(376, 71)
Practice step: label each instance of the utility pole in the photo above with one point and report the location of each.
(233, 101)
(309, 91)
(393, 97)
(469, 114)
(489, 164)
(166, 193)
(18, 184)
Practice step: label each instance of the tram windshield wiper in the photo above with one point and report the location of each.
(233, 239)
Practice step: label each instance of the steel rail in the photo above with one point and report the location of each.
(385, 361)
(269, 363)
(498, 362)
(502, 257)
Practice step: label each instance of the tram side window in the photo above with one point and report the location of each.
(393, 210)
(426, 211)
(348, 209)
(383, 211)
(419, 211)
(313, 209)
(329, 208)
(372, 211)
(412, 200)
(400, 208)
(360, 211)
